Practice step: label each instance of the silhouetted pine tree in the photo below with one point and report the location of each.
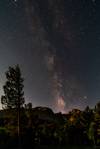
(13, 92)
(13, 89)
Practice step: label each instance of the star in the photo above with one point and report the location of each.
(85, 97)
(15, 1)
(93, 1)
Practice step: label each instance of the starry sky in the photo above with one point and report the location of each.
(57, 45)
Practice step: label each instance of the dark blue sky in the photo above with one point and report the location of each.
(55, 42)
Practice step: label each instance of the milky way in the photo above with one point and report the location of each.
(56, 43)
(58, 20)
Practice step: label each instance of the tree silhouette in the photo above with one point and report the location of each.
(13, 92)
(13, 89)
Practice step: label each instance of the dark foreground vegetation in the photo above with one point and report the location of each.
(22, 126)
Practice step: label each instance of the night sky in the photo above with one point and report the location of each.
(57, 45)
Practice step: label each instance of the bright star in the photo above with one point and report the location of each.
(93, 1)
